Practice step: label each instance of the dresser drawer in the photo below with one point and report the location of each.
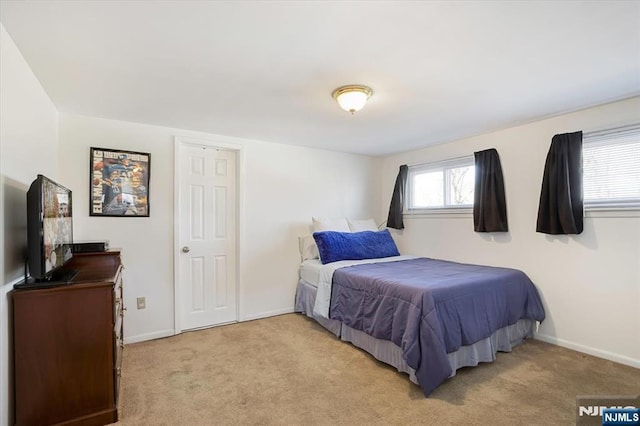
(118, 339)
(118, 304)
(117, 326)
(118, 365)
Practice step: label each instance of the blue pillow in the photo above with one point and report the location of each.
(334, 246)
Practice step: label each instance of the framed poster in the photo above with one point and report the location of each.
(119, 183)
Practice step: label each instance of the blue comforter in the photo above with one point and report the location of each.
(432, 307)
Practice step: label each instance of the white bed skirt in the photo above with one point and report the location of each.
(485, 350)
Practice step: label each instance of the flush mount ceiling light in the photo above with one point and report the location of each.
(352, 97)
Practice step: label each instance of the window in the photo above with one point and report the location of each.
(611, 168)
(447, 184)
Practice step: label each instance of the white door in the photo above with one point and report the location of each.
(207, 236)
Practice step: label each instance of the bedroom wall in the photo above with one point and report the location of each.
(28, 146)
(283, 187)
(590, 283)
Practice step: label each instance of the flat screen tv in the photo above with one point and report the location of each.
(49, 229)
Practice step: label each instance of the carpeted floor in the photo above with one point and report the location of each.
(288, 370)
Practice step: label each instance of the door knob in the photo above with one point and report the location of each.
(185, 249)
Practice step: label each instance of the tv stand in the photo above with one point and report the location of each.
(67, 344)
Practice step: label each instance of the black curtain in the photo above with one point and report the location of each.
(397, 200)
(561, 204)
(489, 205)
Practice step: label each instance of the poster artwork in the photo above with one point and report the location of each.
(119, 183)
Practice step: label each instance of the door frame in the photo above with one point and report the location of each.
(228, 144)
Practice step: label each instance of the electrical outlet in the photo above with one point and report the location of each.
(142, 302)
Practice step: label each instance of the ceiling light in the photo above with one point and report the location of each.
(352, 97)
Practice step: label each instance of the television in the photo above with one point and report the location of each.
(49, 230)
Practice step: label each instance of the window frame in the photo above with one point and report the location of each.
(444, 165)
(604, 138)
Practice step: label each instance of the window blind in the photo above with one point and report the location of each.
(611, 167)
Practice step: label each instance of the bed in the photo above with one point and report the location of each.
(426, 317)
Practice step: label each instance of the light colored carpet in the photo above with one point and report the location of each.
(288, 370)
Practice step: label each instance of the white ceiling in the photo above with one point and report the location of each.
(265, 70)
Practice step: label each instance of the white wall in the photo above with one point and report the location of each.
(590, 283)
(283, 187)
(28, 146)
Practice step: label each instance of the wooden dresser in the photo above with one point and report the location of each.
(68, 345)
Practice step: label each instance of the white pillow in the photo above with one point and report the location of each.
(357, 225)
(308, 248)
(339, 224)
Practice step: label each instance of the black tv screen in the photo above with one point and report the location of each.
(49, 227)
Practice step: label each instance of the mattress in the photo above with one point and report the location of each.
(310, 271)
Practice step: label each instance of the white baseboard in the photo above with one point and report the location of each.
(171, 332)
(149, 336)
(589, 350)
(267, 314)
